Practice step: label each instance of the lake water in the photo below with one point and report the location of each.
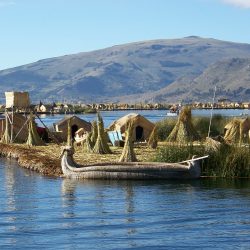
(38, 212)
(152, 115)
(53, 213)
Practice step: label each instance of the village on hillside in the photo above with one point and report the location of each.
(75, 108)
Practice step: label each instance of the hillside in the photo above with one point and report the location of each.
(160, 70)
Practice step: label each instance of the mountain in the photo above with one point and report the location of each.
(158, 70)
(231, 77)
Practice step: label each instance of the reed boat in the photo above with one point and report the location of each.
(189, 169)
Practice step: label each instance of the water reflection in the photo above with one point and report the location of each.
(77, 214)
(68, 197)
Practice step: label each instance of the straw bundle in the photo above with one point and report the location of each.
(88, 143)
(91, 137)
(94, 132)
(33, 136)
(153, 140)
(128, 154)
(234, 132)
(212, 145)
(69, 134)
(184, 130)
(6, 135)
(101, 145)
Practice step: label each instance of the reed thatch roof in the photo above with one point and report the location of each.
(75, 122)
(142, 127)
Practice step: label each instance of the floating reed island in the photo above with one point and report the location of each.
(171, 140)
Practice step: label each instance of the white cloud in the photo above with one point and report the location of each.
(4, 3)
(239, 3)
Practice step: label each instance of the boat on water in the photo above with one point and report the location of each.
(174, 110)
(189, 169)
(173, 113)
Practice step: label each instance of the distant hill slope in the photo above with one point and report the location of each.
(230, 76)
(152, 70)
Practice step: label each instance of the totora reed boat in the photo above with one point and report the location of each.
(189, 169)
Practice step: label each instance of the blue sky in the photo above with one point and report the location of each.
(35, 29)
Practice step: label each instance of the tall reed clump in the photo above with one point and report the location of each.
(128, 154)
(184, 130)
(6, 135)
(69, 134)
(101, 145)
(227, 161)
(33, 136)
(153, 139)
(92, 137)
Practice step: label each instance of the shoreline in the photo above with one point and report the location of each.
(32, 159)
(46, 159)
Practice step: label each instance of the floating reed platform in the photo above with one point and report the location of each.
(32, 158)
(46, 159)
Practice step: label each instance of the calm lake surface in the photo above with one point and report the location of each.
(38, 212)
(47, 213)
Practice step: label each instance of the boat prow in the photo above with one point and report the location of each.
(189, 169)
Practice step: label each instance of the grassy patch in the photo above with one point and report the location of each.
(228, 161)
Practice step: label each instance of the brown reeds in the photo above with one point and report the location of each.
(6, 135)
(101, 145)
(234, 131)
(128, 154)
(69, 134)
(153, 139)
(94, 132)
(184, 131)
(33, 136)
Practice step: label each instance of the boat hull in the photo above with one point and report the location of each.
(129, 170)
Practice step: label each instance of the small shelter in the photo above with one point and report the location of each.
(76, 123)
(20, 127)
(237, 130)
(142, 127)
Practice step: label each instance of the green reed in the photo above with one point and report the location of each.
(228, 161)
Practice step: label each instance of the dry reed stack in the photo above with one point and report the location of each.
(128, 154)
(153, 140)
(6, 135)
(69, 134)
(215, 144)
(237, 130)
(184, 131)
(33, 136)
(92, 137)
(101, 145)
(94, 132)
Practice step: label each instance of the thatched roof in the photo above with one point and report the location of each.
(75, 122)
(142, 126)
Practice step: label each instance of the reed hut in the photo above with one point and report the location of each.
(142, 127)
(76, 123)
(237, 130)
(183, 131)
